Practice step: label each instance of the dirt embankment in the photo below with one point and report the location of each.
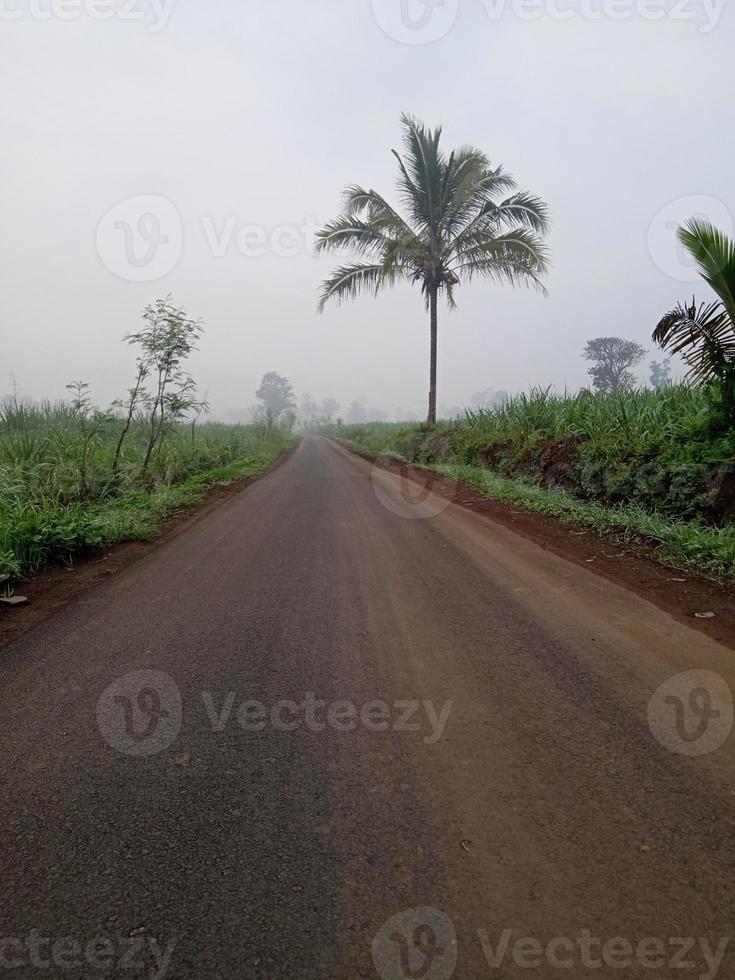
(683, 487)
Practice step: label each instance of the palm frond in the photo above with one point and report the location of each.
(475, 190)
(522, 210)
(350, 233)
(518, 258)
(357, 200)
(348, 281)
(704, 336)
(714, 254)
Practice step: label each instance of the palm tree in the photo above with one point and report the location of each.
(705, 335)
(456, 229)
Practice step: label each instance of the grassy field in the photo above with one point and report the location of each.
(59, 491)
(642, 464)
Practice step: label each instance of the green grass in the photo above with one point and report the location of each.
(642, 465)
(684, 544)
(54, 503)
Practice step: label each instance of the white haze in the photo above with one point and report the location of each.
(264, 109)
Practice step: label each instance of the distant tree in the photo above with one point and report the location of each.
(612, 358)
(459, 226)
(357, 412)
(308, 409)
(329, 408)
(405, 415)
(660, 373)
(276, 397)
(287, 419)
(489, 398)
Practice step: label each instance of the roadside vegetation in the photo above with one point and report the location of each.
(656, 465)
(74, 477)
(641, 462)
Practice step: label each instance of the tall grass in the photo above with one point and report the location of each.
(641, 416)
(56, 498)
(638, 459)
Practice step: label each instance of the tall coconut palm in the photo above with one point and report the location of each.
(459, 225)
(705, 335)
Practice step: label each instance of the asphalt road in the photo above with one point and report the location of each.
(330, 703)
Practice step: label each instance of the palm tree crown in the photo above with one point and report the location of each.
(465, 219)
(705, 335)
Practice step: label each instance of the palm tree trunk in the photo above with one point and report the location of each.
(431, 420)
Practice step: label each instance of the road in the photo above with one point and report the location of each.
(322, 707)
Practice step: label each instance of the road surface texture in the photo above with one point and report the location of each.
(476, 746)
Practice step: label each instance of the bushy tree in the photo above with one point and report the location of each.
(276, 397)
(612, 359)
(660, 374)
(165, 342)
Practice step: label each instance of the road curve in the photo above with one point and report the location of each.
(320, 708)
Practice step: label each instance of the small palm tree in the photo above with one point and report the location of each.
(456, 229)
(704, 335)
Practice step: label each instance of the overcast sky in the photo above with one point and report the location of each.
(254, 114)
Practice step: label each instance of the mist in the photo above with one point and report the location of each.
(238, 125)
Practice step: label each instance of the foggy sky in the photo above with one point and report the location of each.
(260, 111)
